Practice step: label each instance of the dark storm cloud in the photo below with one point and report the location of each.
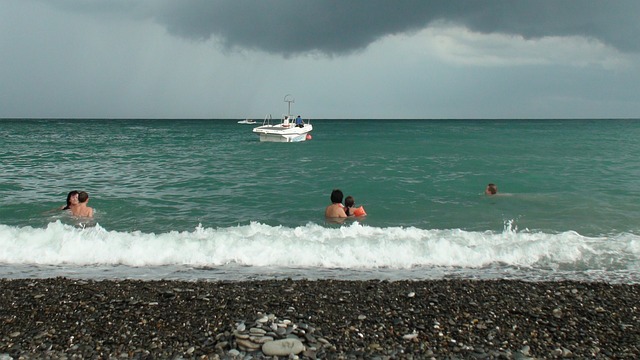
(340, 27)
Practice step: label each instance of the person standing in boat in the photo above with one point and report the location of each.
(299, 122)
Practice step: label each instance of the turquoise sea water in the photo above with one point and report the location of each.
(194, 199)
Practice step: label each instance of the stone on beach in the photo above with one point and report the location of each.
(283, 347)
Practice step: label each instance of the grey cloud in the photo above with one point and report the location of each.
(337, 27)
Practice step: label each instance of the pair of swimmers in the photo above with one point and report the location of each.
(337, 210)
(77, 204)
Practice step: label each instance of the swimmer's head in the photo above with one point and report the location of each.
(336, 196)
(349, 201)
(492, 189)
(72, 199)
(83, 197)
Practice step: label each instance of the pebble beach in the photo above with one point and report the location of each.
(62, 318)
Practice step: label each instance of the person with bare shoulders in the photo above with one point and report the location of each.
(491, 189)
(82, 209)
(336, 209)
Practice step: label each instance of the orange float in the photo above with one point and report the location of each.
(359, 211)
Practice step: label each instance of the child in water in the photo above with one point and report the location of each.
(350, 209)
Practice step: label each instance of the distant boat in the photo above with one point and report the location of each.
(286, 130)
(247, 121)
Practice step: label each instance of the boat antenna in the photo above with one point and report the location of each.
(289, 99)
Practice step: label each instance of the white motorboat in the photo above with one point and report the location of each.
(247, 121)
(286, 130)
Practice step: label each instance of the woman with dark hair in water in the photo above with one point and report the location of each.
(72, 200)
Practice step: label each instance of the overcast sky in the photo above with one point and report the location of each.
(338, 58)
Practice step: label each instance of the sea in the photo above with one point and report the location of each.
(206, 200)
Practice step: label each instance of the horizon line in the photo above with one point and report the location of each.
(373, 119)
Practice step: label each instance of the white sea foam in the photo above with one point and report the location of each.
(354, 246)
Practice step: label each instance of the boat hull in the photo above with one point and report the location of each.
(279, 133)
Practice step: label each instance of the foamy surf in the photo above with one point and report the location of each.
(257, 248)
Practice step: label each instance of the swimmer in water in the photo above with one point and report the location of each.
(351, 209)
(81, 209)
(491, 189)
(336, 209)
(72, 200)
